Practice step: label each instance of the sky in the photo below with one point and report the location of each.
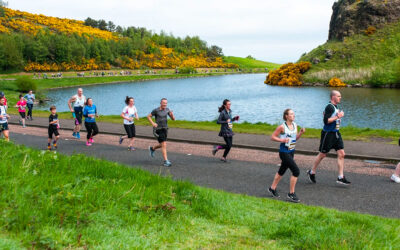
(277, 31)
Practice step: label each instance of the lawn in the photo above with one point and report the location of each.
(53, 201)
(250, 63)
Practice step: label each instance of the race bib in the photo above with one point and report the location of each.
(230, 125)
(291, 144)
(338, 124)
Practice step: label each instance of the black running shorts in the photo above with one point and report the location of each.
(3, 126)
(78, 114)
(162, 134)
(130, 130)
(22, 114)
(330, 140)
(53, 130)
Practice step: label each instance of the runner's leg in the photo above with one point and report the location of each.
(340, 159)
(164, 150)
(228, 141)
(317, 161)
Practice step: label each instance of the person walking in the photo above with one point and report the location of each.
(21, 105)
(331, 138)
(129, 113)
(76, 104)
(160, 129)
(90, 114)
(287, 135)
(54, 124)
(30, 99)
(226, 120)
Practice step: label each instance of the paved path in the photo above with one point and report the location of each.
(371, 194)
(354, 149)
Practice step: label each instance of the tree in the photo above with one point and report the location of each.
(111, 26)
(102, 24)
(91, 22)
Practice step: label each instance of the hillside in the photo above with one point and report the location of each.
(369, 56)
(250, 63)
(41, 43)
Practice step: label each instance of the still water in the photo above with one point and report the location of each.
(197, 99)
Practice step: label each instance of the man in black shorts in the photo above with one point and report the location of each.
(160, 128)
(331, 138)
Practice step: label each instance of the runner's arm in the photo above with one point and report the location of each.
(171, 114)
(328, 113)
(149, 117)
(275, 135)
(221, 119)
(302, 131)
(70, 104)
(136, 116)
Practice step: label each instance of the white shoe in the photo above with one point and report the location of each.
(395, 178)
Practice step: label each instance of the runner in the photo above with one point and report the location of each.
(287, 135)
(21, 105)
(331, 138)
(2, 95)
(4, 119)
(79, 101)
(90, 114)
(226, 121)
(54, 124)
(396, 176)
(30, 99)
(160, 129)
(129, 113)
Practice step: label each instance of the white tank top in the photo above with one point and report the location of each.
(291, 134)
(79, 102)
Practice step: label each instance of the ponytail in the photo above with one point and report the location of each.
(127, 99)
(223, 105)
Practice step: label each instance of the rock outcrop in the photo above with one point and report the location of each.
(355, 16)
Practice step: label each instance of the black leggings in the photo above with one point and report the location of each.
(30, 107)
(288, 162)
(228, 146)
(92, 129)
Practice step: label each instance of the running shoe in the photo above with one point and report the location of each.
(78, 135)
(167, 163)
(215, 149)
(88, 143)
(395, 178)
(74, 134)
(131, 149)
(273, 192)
(55, 145)
(49, 148)
(223, 159)
(311, 176)
(343, 181)
(121, 139)
(151, 151)
(293, 197)
(91, 140)
(24, 126)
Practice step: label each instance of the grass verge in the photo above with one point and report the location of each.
(50, 200)
(250, 63)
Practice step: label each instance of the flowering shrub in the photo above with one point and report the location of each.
(289, 74)
(370, 30)
(336, 82)
(86, 65)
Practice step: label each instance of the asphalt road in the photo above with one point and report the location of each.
(368, 194)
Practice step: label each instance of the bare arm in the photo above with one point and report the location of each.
(137, 116)
(70, 103)
(171, 114)
(275, 135)
(149, 117)
(302, 131)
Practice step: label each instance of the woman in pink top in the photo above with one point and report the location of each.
(21, 105)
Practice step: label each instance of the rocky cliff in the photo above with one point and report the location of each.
(355, 16)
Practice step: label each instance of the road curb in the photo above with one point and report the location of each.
(244, 146)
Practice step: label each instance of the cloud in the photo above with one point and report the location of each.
(270, 30)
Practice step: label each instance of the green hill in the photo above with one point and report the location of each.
(372, 57)
(249, 63)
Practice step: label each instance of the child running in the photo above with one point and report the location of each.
(4, 119)
(226, 121)
(54, 124)
(21, 105)
(129, 113)
(287, 135)
(90, 114)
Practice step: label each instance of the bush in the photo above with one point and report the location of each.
(289, 74)
(25, 83)
(336, 82)
(370, 30)
(187, 70)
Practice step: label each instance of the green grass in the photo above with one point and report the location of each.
(250, 63)
(49, 200)
(376, 56)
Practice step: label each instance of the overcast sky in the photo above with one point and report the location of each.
(270, 30)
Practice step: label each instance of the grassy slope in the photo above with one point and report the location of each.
(54, 201)
(250, 63)
(367, 54)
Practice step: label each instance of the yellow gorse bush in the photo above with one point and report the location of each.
(336, 82)
(289, 74)
(32, 24)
